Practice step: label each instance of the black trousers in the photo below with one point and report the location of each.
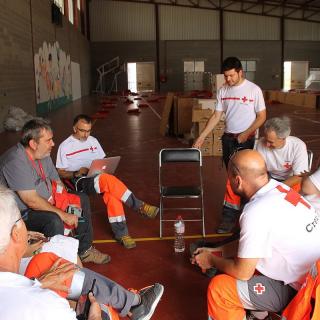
(50, 224)
(230, 145)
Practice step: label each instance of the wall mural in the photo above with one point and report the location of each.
(53, 78)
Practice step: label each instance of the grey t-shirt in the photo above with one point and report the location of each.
(19, 173)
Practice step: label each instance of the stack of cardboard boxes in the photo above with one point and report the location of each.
(212, 145)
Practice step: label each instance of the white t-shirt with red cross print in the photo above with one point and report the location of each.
(282, 229)
(240, 104)
(291, 159)
(74, 154)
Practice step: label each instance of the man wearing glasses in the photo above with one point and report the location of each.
(74, 158)
(43, 298)
(27, 169)
(243, 104)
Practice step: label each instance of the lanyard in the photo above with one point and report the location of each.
(39, 170)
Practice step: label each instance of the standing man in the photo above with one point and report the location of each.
(74, 158)
(279, 237)
(27, 169)
(244, 107)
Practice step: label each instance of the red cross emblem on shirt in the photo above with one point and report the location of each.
(293, 197)
(92, 148)
(244, 99)
(287, 165)
(259, 288)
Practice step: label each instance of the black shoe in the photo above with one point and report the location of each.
(150, 297)
(226, 227)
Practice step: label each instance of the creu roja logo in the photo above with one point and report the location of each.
(313, 224)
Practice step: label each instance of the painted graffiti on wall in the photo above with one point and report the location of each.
(53, 78)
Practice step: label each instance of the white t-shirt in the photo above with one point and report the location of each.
(281, 229)
(74, 154)
(291, 159)
(315, 178)
(22, 298)
(240, 105)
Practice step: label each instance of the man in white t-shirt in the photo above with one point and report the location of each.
(74, 157)
(286, 158)
(280, 238)
(43, 298)
(243, 104)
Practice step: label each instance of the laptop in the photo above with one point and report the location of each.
(105, 165)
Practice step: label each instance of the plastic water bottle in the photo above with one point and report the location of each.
(179, 245)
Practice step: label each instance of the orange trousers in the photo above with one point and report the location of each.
(115, 192)
(223, 300)
(231, 200)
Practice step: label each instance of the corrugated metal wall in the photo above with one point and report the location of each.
(303, 31)
(250, 27)
(121, 21)
(179, 23)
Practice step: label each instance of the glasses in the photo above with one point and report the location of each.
(84, 130)
(24, 217)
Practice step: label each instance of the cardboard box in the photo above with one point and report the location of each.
(273, 95)
(310, 100)
(182, 115)
(207, 149)
(207, 103)
(201, 115)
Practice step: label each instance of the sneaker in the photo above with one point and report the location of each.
(258, 315)
(150, 297)
(149, 210)
(127, 242)
(95, 256)
(225, 227)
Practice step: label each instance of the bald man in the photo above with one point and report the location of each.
(279, 238)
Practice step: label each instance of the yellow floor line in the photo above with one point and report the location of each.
(214, 235)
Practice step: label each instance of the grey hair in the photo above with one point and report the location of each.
(281, 126)
(9, 214)
(32, 130)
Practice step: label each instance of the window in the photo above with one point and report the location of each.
(249, 68)
(193, 66)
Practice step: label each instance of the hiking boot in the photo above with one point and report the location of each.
(149, 210)
(127, 242)
(150, 297)
(95, 256)
(225, 227)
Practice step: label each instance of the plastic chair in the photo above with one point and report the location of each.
(177, 157)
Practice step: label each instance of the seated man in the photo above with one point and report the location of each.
(275, 239)
(74, 157)
(27, 169)
(286, 158)
(23, 298)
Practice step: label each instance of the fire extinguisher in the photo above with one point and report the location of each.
(163, 78)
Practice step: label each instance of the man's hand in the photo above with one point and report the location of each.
(55, 277)
(198, 143)
(243, 137)
(83, 171)
(95, 310)
(203, 258)
(70, 219)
